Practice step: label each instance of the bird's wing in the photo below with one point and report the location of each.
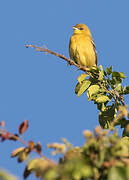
(94, 47)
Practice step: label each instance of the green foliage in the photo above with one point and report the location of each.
(83, 87)
(105, 89)
(39, 166)
(103, 156)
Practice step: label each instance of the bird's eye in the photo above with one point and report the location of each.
(81, 28)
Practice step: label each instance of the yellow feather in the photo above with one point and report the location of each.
(81, 47)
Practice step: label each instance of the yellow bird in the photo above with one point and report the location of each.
(82, 48)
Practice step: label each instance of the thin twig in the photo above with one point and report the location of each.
(70, 61)
(4, 131)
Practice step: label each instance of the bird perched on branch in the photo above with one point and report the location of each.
(82, 48)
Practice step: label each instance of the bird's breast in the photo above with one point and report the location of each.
(81, 50)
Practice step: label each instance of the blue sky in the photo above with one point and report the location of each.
(40, 87)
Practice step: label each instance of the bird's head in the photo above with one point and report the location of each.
(81, 29)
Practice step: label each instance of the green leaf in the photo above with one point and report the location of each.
(50, 174)
(82, 77)
(109, 70)
(101, 73)
(106, 117)
(126, 90)
(92, 90)
(120, 149)
(102, 99)
(22, 156)
(78, 85)
(122, 75)
(37, 163)
(118, 74)
(117, 173)
(84, 86)
(126, 129)
(116, 77)
(115, 74)
(39, 166)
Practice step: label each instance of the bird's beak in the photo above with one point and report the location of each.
(75, 28)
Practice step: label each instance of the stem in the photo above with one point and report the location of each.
(70, 61)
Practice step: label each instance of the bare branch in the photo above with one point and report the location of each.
(70, 61)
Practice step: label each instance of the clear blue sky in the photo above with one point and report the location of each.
(40, 87)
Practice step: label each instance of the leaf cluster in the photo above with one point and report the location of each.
(105, 89)
(103, 156)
